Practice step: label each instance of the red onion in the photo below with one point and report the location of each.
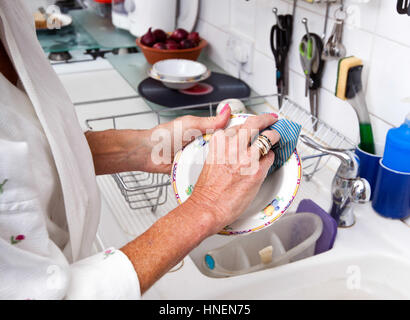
(194, 36)
(186, 44)
(170, 41)
(148, 39)
(172, 45)
(159, 45)
(160, 35)
(179, 34)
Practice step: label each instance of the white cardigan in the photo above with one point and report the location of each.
(49, 199)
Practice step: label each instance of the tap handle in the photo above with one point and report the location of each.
(360, 191)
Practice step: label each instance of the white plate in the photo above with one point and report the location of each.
(273, 200)
(179, 69)
(179, 85)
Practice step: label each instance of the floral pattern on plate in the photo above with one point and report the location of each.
(189, 190)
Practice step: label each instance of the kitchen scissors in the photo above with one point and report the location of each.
(403, 6)
(280, 41)
(310, 50)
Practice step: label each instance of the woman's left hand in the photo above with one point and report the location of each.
(164, 141)
(150, 150)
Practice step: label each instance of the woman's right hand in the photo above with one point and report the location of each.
(233, 172)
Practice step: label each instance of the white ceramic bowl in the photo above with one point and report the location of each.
(179, 69)
(178, 84)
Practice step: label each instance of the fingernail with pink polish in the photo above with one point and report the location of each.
(225, 108)
(275, 115)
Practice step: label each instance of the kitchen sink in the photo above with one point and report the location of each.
(367, 276)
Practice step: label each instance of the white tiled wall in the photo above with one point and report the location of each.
(374, 32)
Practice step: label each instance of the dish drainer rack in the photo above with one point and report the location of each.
(149, 190)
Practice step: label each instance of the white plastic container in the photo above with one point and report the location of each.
(291, 238)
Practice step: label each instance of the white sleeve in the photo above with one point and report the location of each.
(32, 266)
(30, 275)
(106, 275)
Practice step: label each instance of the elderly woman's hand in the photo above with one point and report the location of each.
(233, 172)
(165, 140)
(150, 150)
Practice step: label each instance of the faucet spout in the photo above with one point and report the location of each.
(347, 187)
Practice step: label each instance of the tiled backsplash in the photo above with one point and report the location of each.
(374, 32)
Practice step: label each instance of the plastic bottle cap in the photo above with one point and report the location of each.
(397, 149)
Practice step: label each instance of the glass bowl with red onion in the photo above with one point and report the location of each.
(157, 45)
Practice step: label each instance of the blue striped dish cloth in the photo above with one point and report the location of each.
(289, 134)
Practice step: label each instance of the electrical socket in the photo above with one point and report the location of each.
(240, 52)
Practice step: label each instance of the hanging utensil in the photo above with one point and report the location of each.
(307, 51)
(280, 40)
(334, 48)
(403, 6)
(310, 50)
(316, 80)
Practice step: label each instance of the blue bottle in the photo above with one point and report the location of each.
(397, 149)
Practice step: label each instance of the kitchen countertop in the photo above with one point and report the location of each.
(134, 69)
(87, 32)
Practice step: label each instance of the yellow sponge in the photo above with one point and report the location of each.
(345, 65)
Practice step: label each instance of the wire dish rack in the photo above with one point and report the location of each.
(149, 190)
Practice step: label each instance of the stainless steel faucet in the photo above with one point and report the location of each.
(347, 186)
